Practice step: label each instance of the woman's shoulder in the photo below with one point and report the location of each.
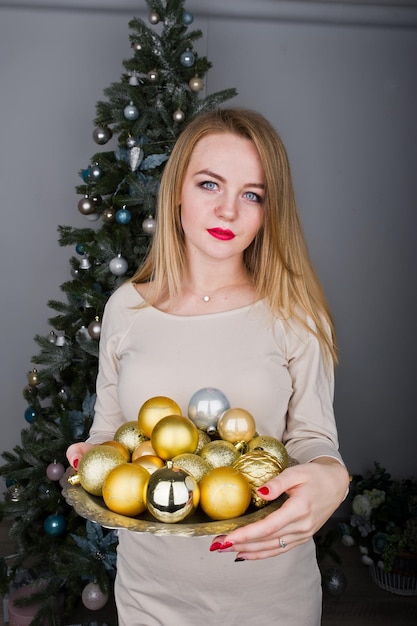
(124, 297)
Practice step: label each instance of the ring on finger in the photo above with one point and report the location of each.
(283, 543)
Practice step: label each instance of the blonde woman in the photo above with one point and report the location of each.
(227, 298)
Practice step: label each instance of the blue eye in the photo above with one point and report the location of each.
(208, 184)
(252, 196)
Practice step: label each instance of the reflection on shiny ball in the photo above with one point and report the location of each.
(206, 406)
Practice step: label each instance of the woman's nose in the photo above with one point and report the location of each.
(227, 208)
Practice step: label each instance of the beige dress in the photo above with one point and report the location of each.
(261, 364)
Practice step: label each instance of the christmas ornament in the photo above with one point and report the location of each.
(97, 200)
(80, 248)
(196, 84)
(82, 333)
(52, 337)
(258, 467)
(85, 263)
(121, 447)
(334, 581)
(123, 216)
(220, 453)
(187, 58)
(60, 338)
(92, 217)
(150, 462)
(55, 525)
(108, 215)
(13, 493)
(236, 425)
(224, 493)
(135, 157)
(30, 414)
(203, 439)
(193, 464)
(62, 395)
(33, 378)
(131, 142)
(131, 112)
(148, 225)
(86, 206)
(102, 134)
(172, 494)
(124, 489)
(153, 17)
(95, 172)
(154, 409)
(178, 116)
(94, 328)
(55, 471)
(153, 76)
(130, 435)
(94, 466)
(136, 46)
(173, 435)
(187, 18)
(93, 597)
(206, 406)
(145, 447)
(118, 266)
(271, 445)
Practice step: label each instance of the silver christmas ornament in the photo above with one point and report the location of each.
(118, 266)
(172, 494)
(187, 58)
(108, 215)
(93, 597)
(102, 134)
(133, 79)
(178, 116)
(95, 171)
(94, 328)
(60, 338)
(135, 157)
(153, 76)
(85, 263)
(136, 46)
(205, 408)
(148, 225)
(153, 17)
(131, 142)
(86, 206)
(131, 112)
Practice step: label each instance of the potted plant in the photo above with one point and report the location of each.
(383, 522)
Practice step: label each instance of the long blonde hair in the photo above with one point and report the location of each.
(277, 260)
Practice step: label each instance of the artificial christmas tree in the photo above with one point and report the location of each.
(57, 552)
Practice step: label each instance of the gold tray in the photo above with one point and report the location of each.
(196, 525)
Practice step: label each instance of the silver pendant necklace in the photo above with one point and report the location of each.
(206, 298)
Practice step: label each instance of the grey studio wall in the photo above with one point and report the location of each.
(338, 81)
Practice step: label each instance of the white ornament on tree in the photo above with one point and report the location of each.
(93, 597)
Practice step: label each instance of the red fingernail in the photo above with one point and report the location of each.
(225, 545)
(215, 546)
(263, 491)
(75, 463)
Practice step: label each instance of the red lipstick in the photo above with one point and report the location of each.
(220, 233)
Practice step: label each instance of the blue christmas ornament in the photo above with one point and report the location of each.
(187, 18)
(85, 175)
(123, 216)
(187, 58)
(79, 248)
(55, 525)
(30, 414)
(131, 112)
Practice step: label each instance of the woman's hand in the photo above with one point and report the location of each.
(315, 491)
(76, 451)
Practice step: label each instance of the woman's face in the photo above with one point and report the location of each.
(222, 196)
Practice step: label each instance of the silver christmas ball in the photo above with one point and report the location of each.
(94, 329)
(178, 116)
(102, 134)
(131, 112)
(95, 171)
(131, 142)
(153, 76)
(86, 206)
(118, 266)
(196, 84)
(136, 46)
(187, 58)
(205, 408)
(108, 215)
(153, 17)
(148, 225)
(93, 597)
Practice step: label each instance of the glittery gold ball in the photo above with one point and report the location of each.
(258, 467)
(219, 453)
(173, 435)
(124, 489)
(119, 446)
(155, 409)
(172, 494)
(236, 425)
(94, 466)
(150, 462)
(224, 493)
(273, 446)
(203, 439)
(193, 464)
(129, 435)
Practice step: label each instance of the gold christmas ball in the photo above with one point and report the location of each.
(203, 439)
(119, 446)
(172, 494)
(236, 425)
(94, 466)
(219, 453)
(150, 462)
(129, 435)
(224, 493)
(143, 448)
(273, 446)
(193, 464)
(258, 467)
(124, 489)
(173, 435)
(155, 409)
